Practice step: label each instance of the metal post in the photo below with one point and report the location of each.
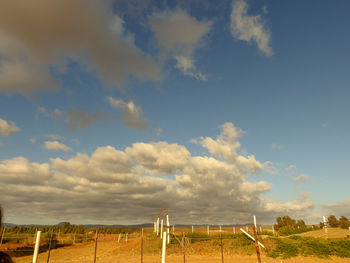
(164, 247)
(48, 255)
(184, 246)
(222, 249)
(96, 238)
(37, 246)
(142, 245)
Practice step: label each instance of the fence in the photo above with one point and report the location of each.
(220, 242)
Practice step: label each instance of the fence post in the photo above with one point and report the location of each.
(222, 249)
(2, 235)
(256, 244)
(142, 245)
(48, 255)
(126, 238)
(119, 237)
(184, 245)
(96, 238)
(37, 246)
(161, 228)
(164, 247)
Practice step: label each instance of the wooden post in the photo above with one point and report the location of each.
(184, 245)
(222, 249)
(48, 255)
(142, 245)
(37, 246)
(192, 229)
(96, 238)
(2, 235)
(74, 238)
(208, 231)
(126, 238)
(164, 247)
(257, 245)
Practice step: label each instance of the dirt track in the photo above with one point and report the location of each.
(111, 251)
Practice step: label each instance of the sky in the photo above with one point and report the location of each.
(110, 110)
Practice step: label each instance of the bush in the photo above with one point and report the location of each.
(309, 246)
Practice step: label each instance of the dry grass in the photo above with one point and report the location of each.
(332, 233)
(109, 250)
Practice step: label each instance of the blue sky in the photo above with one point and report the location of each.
(117, 74)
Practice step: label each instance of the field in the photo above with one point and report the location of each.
(199, 248)
(332, 233)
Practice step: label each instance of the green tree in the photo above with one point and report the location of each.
(332, 221)
(344, 222)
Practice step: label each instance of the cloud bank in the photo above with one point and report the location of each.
(131, 185)
(36, 36)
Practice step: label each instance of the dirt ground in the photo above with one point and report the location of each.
(112, 251)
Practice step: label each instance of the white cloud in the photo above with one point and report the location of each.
(250, 28)
(302, 178)
(178, 36)
(56, 146)
(185, 64)
(132, 114)
(140, 179)
(85, 31)
(7, 128)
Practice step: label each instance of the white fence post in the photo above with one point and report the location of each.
(37, 246)
(168, 229)
(164, 247)
(157, 226)
(161, 228)
(192, 229)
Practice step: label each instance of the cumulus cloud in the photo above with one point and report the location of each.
(132, 114)
(56, 146)
(178, 36)
(302, 178)
(7, 128)
(35, 36)
(250, 28)
(140, 179)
